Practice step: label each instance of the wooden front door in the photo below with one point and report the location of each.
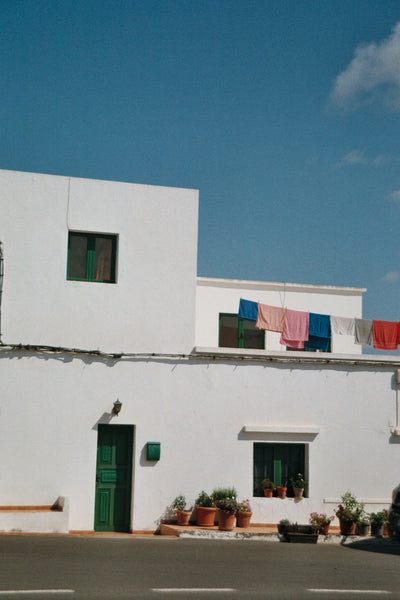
(113, 478)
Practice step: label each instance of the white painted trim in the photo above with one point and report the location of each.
(280, 429)
(273, 285)
(365, 500)
(363, 360)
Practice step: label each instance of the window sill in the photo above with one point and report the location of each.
(310, 430)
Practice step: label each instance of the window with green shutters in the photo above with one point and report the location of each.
(278, 462)
(91, 257)
(239, 333)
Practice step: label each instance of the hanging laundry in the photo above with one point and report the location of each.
(363, 331)
(318, 343)
(319, 325)
(248, 310)
(386, 335)
(271, 318)
(343, 325)
(295, 331)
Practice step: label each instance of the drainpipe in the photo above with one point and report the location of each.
(1, 280)
(396, 430)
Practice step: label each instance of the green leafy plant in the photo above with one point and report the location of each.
(244, 506)
(377, 519)
(179, 503)
(228, 505)
(267, 484)
(203, 499)
(283, 526)
(386, 514)
(350, 509)
(220, 493)
(298, 481)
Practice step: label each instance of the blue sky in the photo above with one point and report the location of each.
(284, 114)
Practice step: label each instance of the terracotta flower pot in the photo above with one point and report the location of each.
(347, 527)
(281, 491)
(243, 518)
(386, 530)
(226, 521)
(183, 516)
(298, 492)
(324, 529)
(205, 516)
(268, 492)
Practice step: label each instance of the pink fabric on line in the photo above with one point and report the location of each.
(386, 334)
(271, 318)
(295, 331)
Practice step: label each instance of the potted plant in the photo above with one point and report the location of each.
(221, 492)
(347, 512)
(182, 514)
(281, 490)
(205, 510)
(244, 513)
(321, 522)
(377, 521)
(268, 486)
(362, 524)
(227, 509)
(387, 530)
(283, 526)
(298, 484)
(304, 534)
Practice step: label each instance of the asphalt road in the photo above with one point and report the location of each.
(69, 567)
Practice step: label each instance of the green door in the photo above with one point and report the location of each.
(113, 478)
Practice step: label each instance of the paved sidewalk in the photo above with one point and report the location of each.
(266, 532)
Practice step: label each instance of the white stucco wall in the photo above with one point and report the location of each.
(214, 296)
(197, 407)
(151, 308)
(50, 406)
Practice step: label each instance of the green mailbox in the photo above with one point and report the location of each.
(153, 450)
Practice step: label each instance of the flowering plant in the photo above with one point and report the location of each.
(349, 509)
(228, 505)
(298, 481)
(203, 499)
(319, 519)
(244, 506)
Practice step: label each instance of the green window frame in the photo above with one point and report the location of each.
(91, 257)
(239, 333)
(279, 462)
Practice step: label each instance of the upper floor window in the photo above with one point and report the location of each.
(91, 257)
(239, 333)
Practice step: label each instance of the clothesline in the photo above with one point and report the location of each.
(300, 329)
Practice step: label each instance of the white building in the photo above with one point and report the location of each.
(100, 303)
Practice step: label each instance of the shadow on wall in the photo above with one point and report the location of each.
(104, 420)
(144, 462)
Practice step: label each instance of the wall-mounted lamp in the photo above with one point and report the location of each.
(116, 408)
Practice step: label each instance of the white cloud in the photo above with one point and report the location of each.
(355, 157)
(395, 196)
(372, 76)
(358, 157)
(391, 277)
